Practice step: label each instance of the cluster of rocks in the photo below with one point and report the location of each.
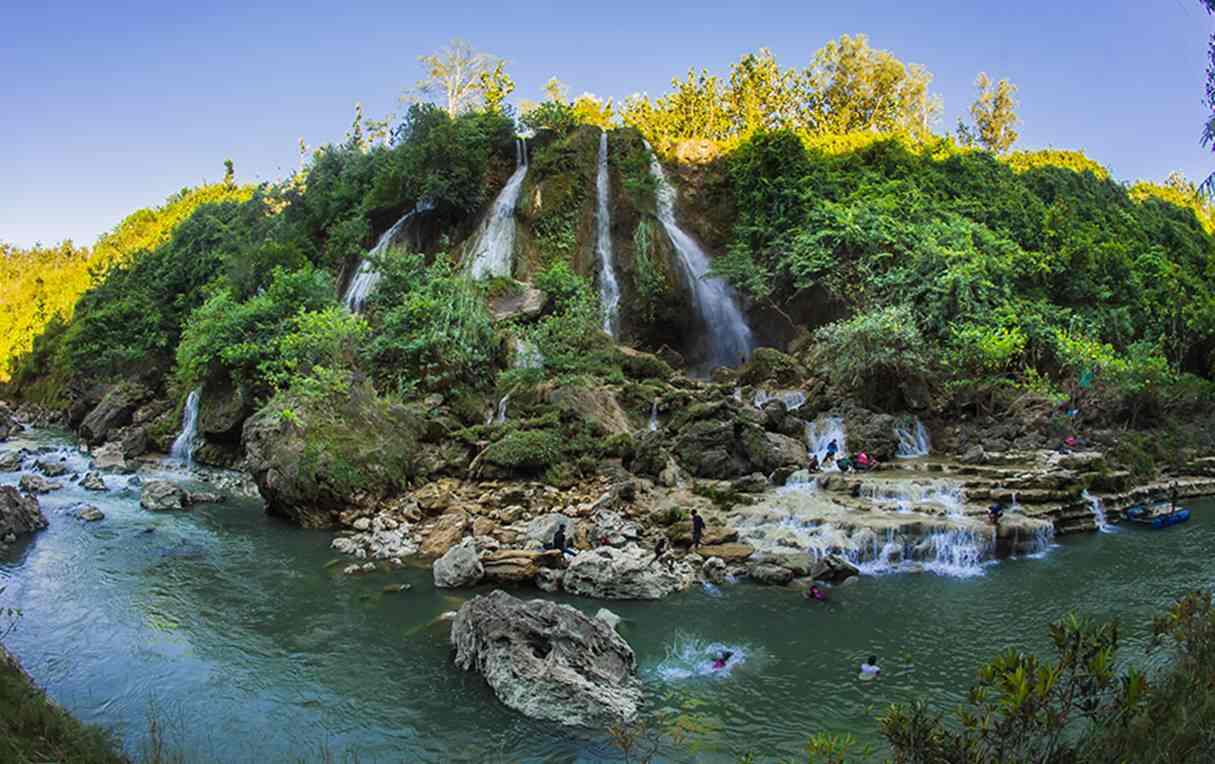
(166, 496)
(20, 515)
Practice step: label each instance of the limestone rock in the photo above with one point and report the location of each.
(974, 455)
(624, 574)
(774, 575)
(714, 570)
(459, 567)
(541, 529)
(161, 496)
(446, 533)
(608, 617)
(769, 451)
(834, 569)
(515, 566)
(549, 580)
(92, 481)
(19, 514)
(113, 411)
(548, 661)
(10, 461)
(37, 484)
(110, 457)
(612, 529)
(51, 469)
(523, 304)
(203, 497)
(89, 513)
(728, 552)
(8, 422)
(597, 405)
(133, 442)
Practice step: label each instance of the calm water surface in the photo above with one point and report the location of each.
(228, 626)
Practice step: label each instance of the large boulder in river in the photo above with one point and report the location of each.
(315, 458)
(38, 484)
(460, 567)
(19, 514)
(11, 461)
(222, 411)
(548, 661)
(112, 412)
(162, 496)
(110, 457)
(624, 574)
(8, 422)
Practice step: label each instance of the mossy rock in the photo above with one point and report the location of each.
(771, 365)
(526, 450)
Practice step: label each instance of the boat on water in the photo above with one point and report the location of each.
(1157, 517)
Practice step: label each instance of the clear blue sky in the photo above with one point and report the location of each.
(113, 106)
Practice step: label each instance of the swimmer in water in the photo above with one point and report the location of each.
(721, 660)
(816, 594)
(870, 670)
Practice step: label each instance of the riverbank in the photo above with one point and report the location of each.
(33, 728)
(227, 617)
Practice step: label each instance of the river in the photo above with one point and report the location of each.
(228, 626)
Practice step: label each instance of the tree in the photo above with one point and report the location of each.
(588, 109)
(556, 90)
(760, 96)
(454, 72)
(994, 114)
(495, 87)
(229, 173)
(851, 87)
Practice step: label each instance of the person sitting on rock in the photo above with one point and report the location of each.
(698, 529)
(559, 541)
(812, 465)
(661, 549)
(845, 464)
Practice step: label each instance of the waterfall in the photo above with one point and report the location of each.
(793, 399)
(727, 337)
(1096, 506)
(500, 415)
(493, 245)
(183, 446)
(609, 289)
(366, 276)
(944, 493)
(819, 435)
(913, 441)
(527, 355)
(654, 415)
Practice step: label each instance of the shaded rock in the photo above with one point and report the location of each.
(89, 513)
(114, 410)
(10, 461)
(834, 569)
(51, 469)
(222, 411)
(133, 442)
(523, 304)
(771, 365)
(19, 514)
(540, 530)
(769, 451)
(974, 455)
(597, 405)
(872, 433)
(548, 661)
(773, 575)
(92, 481)
(8, 422)
(610, 573)
(753, 483)
(459, 567)
(161, 496)
(37, 484)
(110, 457)
(775, 415)
(446, 533)
(549, 579)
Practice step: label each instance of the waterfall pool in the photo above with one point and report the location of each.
(228, 626)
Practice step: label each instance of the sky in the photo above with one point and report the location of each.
(109, 107)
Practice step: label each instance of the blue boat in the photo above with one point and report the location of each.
(1144, 516)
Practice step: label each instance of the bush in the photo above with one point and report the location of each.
(871, 355)
(526, 450)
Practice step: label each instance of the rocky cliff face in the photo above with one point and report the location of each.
(548, 661)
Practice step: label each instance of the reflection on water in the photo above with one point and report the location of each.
(230, 622)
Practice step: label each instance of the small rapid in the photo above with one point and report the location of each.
(913, 440)
(492, 252)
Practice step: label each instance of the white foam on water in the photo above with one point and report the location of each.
(690, 658)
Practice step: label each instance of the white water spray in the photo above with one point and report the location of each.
(913, 441)
(819, 435)
(366, 276)
(1096, 506)
(609, 288)
(727, 337)
(654, 416)
(493, 245)
(182, 449)
(527, 355)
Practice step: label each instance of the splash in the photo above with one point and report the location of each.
(690, 657)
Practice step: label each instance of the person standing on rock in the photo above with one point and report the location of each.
(660, 551)
(698, 529)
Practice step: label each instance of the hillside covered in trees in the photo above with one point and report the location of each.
(904, 266)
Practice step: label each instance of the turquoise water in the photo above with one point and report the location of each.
(228, 627)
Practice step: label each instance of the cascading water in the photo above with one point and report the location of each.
(182, 449)
(527, 355)
(913, 441)
(654, 416)
(609, 288)
(493, 249)
(366, 276)
(727, 339)
(908, 495)
(1098, 509)
(819, 435)
(793, 399)
(500, 415)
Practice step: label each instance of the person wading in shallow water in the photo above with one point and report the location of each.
(698, 529)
